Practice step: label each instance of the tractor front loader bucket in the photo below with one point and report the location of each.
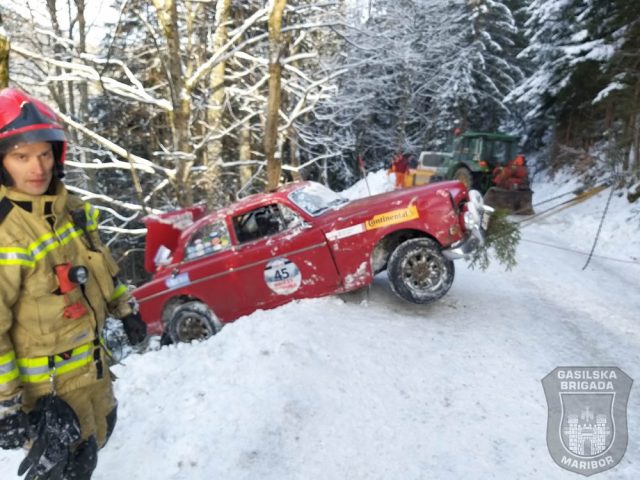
(517, 202)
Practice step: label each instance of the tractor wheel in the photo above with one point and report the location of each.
(464, 175)
(192, 321)
(419, 272)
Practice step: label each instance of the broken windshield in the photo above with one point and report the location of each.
(314, 198)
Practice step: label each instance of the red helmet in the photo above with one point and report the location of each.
(26, 119)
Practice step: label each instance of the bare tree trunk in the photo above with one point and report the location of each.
(245, 155)
(635, 147)
(57, 89)
(276, 47)
(401, 126)
(216, 106)
(293, 154)
(82, 48)
(5, 47)
(180, 99)
(82, 89)
(635, 129)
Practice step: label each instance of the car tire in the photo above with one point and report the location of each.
(192, 321)
(464, 175)
(419, 272)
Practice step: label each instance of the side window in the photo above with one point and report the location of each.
(476, 146)
(263, 222)
(208, 240)
(291, 219)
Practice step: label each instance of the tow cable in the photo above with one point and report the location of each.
(604, 214)
(580, 195)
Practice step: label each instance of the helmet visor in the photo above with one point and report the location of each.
(31, 135)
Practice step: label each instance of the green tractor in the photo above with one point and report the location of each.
(488, 162)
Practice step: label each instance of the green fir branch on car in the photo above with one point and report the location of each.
(501, 239)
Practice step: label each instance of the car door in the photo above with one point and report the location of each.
(284, 257)
(208, 270)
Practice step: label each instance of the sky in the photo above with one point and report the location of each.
(372, 387)
(97, 13)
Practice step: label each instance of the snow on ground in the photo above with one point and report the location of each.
(375, 182)
(383, 389)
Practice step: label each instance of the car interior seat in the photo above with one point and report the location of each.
(267, 223)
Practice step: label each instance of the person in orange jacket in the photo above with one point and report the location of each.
(513, 175)
(399, 166)
(58, 284)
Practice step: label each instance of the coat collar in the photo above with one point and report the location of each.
(40, 205)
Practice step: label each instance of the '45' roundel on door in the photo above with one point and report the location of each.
(282, 276)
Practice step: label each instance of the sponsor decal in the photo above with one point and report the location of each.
(382, 220)
(178, 281)
(345, 232)
(392, 217)
(282, 276)
(587, 422)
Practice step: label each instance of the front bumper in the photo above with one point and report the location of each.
(476, 220)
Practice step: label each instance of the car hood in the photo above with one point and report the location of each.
(385, 202)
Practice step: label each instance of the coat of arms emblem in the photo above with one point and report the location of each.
(587, 423)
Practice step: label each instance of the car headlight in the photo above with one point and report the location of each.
(475, 211)
(469, 221)
(476, 198)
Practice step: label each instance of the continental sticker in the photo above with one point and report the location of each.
(393, 217)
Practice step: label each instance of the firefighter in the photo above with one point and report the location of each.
(58, 282)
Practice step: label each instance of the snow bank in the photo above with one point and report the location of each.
(383, 389)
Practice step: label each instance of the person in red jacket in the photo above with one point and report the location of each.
(512, 176)
(399, 166)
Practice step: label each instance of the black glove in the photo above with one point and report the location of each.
(56, 429)
(135, 328)
(14, 430)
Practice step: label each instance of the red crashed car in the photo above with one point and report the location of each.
(302, 241)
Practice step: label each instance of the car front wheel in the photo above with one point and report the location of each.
(192, 321)
(419, 272)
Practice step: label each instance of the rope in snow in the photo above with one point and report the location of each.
(573, 192)
(580, 196)
(579, 252)
(604, 214)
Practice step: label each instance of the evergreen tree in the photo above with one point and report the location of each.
(482, 71)
(583, 91)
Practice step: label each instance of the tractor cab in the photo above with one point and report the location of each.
(479, 151)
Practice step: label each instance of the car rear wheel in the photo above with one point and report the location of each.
(192, 321)
(419, 272)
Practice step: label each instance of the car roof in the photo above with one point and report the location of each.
(258, 199)
(248, 203)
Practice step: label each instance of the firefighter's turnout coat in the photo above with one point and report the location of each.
(50, 340)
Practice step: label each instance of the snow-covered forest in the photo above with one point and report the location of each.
(172, 102)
